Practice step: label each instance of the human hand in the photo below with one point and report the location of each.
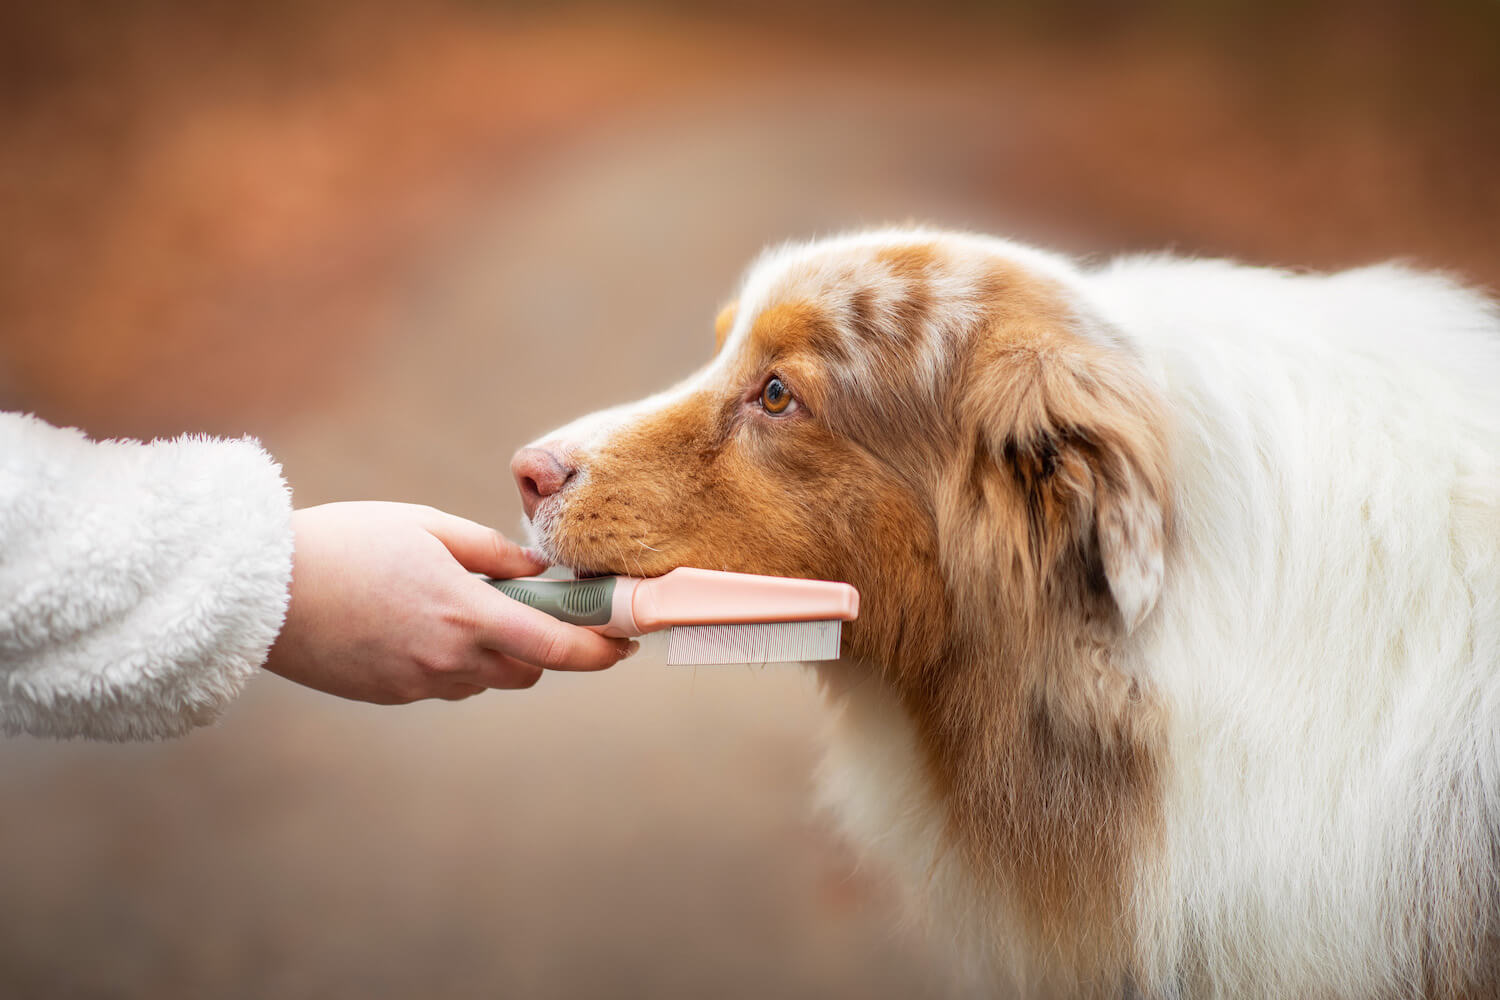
(384, 609)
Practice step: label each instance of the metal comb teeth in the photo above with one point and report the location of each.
(777, 642)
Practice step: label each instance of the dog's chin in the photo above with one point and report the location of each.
(592, 565)
(592, 568)
(586, 563)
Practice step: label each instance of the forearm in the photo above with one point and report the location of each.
(141, 585)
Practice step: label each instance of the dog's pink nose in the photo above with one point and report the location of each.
(540, 472)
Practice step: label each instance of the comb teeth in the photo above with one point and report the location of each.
(777, 642)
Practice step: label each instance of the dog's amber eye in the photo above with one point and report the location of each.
(775, 397)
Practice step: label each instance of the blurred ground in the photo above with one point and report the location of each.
(395, 241)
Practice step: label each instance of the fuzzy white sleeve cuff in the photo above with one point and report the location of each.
(141, 585)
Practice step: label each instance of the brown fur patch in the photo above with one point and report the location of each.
(911, 261)
(723, 323)
(1049, 754)
(1461, 959)
(862, 309)
(912, 266)
(799, 328)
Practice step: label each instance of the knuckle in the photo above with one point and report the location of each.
(454, 609)
(438, 663)
(461, 620)
(501, 547)
(553, 650)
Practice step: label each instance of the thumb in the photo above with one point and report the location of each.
(480, 549)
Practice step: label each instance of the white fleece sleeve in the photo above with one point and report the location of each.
(141, 585)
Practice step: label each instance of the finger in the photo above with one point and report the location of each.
(480, 549)
(535, 637)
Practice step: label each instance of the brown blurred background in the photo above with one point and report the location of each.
(396, 240)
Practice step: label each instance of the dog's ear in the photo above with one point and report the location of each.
(723, 323)
(1068, 462)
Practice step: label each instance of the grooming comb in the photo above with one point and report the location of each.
(714, 617)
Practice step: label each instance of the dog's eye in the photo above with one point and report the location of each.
(775, 397)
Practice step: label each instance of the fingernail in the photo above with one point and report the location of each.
(535, 555)
(630, 649)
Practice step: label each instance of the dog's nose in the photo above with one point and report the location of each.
(540, 472)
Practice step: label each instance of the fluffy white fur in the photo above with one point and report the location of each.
(141, 585)
(1325, 635)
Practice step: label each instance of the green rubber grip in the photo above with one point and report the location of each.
(582, 602)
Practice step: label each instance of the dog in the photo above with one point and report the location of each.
(1178, 667)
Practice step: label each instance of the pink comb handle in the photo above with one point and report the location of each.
(688, 596)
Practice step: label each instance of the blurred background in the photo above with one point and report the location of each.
(396, 240)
